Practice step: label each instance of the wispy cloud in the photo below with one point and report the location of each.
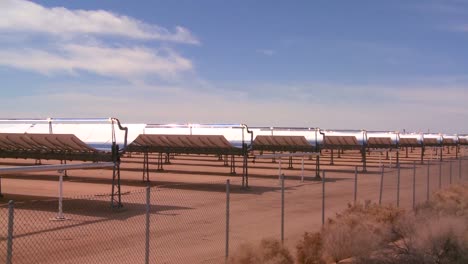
(58, 40)
(266, 52)
(98, 59)
(25, 16)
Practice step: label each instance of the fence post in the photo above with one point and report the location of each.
(428, 176)
(147, 229)
(60, 213)
(440, 174)
(414, 184)
(228, 193)
(381, 184)
(323, 198)
(355, 183)
(398, 185)
(11, 211)
(282, 208)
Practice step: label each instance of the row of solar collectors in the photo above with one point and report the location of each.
(99, 136)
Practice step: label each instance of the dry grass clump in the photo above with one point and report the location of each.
(435, 233)
(450, 201)
(269, 251)
(436, 240)
(309, 249)
(359, 230)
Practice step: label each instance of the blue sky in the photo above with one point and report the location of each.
(380, 65)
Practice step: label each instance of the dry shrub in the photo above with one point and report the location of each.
(269, 251)
(436, 233)
(309, 249)
(359, 230)
(450, 201)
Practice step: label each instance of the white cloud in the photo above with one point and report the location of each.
(266, 52)
(71, 41)
(25, 16)
(107, 61)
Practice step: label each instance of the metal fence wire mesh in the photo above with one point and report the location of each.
(202, 222)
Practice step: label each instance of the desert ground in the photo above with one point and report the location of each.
(188, 205)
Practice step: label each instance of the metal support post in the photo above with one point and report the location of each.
(428, 176)
(167, 159)
(282, 208)
(323, 198)
(290, 165)
(1, 194)
(65, 172)
(147, 229)
(160, 162)
(228, 193)
(233, 165)
(414, 184)
(145, 167)
(355, 183)
(279, 171)
(398, 185)
(422, 154)
(11, 212)
(317, 167)
(364, 160)
(331, 158)
(440, 173)
(60, 216)
(116, 199)
(381, 184)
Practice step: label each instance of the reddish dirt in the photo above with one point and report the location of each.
(189, 206)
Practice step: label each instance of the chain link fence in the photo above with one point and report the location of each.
(206, 222)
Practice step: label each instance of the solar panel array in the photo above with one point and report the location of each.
(49, 146)
(191, 144)
(408, 142)
(282, 143)
(341, 141)
(431, 142)
(379, 142)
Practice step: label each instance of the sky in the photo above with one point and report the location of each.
(376, 65)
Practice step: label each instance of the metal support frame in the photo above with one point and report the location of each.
(290, 163)
(65, 173)
(317, 166)
(245, 170)
(145, 167)
(233, 165)
(331, 158)
(289, 155)
(167, 159)
(423, 149)
(116, 196)
(364, 159)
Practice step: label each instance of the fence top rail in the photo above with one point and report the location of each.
(57, 167)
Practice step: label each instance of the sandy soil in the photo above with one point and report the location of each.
(188, 206)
